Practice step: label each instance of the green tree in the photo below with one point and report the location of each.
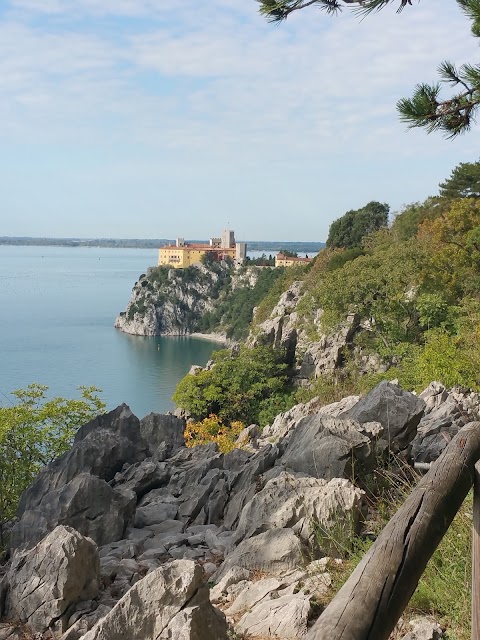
(349, 231)
(34, 431)
(236, 388)
(381, 287)
(453, 114)
(407, 222)
(464, 182)
(454, 238)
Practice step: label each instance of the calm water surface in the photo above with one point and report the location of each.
(57, 309)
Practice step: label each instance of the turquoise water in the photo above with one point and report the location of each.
(57, 309)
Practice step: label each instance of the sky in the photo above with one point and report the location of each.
(157, 119)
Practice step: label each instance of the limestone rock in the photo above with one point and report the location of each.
(232, 576)
(120, 421)
(78, 480)
(424, 629)
(327, 354)
(244, 484)
(283, 617)
(279, 330)
(199, 621)
(86, 503)
(398, 411)
(302, 504)
(148, 608)
(445, 415)
(11, 632)
(433, 396)
(325, 447)
(158, 430)
(44, 582)
(78, 628)
(142, 477)
(273, 552)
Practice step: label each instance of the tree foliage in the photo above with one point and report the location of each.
(236, 388)
(427, 108)
(234, 312)
(454, 241)
(349, 231)
(378, 287)
(34, 431)
(212, 429)
(407, 222)
(464, 181)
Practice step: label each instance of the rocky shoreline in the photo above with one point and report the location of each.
(122, 536)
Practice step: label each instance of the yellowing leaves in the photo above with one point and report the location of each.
(454, 241)
(212, 429)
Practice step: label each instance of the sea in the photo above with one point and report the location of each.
(57, 309)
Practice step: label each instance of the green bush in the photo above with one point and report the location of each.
(34, 431)
(235, 387)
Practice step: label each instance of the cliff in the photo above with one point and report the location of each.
(216, 298)
(171, 301)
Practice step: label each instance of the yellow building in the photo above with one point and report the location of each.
(281, 260)
(186, 254)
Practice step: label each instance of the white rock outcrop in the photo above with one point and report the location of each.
(45, 581)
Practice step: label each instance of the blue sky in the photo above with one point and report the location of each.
(148, 118)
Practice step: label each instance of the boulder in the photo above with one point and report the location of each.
(158, 430)
(285, 422)
(86, 503)
(151, 605)
(101, 449)
(445, 417)
(244, 485)
(273, 552)
(304, 505)
(433, 396)
(11, 632)
(424, 629)
(78, 628)
(120, 421)
(325, 447)
(283, 617)
(101, 454)
(142, 477)
(198, 621)
(44, 582)
(398, 411)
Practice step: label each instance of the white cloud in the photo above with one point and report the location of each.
(220, 84)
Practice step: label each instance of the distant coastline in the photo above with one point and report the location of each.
(269, 246)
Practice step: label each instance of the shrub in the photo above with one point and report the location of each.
(212, 429)
(235, 387)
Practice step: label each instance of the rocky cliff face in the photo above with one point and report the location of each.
(168, 302)
(286, 328)
(119, 537)
(172, 301)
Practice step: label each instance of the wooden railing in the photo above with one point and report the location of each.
(370, 603)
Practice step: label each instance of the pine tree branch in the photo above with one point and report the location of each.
(279, 10)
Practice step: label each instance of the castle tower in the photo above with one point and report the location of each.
(228, 239)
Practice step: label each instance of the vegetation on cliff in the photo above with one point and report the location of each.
(414, 287)
(213, 297)
(246, 385)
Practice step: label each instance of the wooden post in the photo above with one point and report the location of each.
(476, 556)
(372, 600)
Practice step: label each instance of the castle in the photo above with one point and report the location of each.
(185, 254)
